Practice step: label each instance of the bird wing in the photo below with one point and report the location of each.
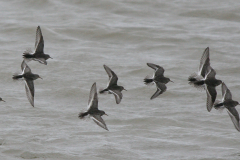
(93, 98)
(29, 87)
(226, 93)
(233, 113)
(211, 97)
(112, 76)
(39, 43)
(211, 73)
(25, 68)
(158, 69)
(118, 95)
(204, 63)
(161, 87)
(40, 60)
(99, 121)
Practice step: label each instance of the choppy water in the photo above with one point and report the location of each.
(81, 36)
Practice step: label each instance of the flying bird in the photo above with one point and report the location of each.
(158, 78)
(39, 54)
(2, 99)
(92, 110)
(202, 71)
(230, 105)
(28, 77)
(112, 86)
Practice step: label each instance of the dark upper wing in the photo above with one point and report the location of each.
(112, 76)
(99, 121)
(24, 67)
(204, 62)
(233, 113)
(39, 43)
(158, 69)
(29, 87)
(118, 95)
(211, 97)
(226, 93)
(211, 73)
(153, 66)
(93, 98)
(161, 87)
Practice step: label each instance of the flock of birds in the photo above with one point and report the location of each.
(204, 78)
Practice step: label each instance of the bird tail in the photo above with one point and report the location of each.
(102, 90)
(27, 55)
(17, 76)
(194, 77)
(147, 80)
(199, 83)
(218, 105)
(81, 115)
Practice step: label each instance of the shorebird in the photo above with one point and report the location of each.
(93, 111)
(158, 78)
(112, 86)
(2, 99)
(38, 55)
(202, 71)
(230, 105)
(29, 77)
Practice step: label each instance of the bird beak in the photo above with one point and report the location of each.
(51, 57)
(105, 114)
(124, 89)
(40, 77)
(171, 81)
(3, 100)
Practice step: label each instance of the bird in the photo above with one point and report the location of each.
(28, 77)
(158, 78)
(229, 104)
(39, 54)
(112, 86)
(2, 99)
(93, 110)
(202, 71)
(205, 78)
(210, 84)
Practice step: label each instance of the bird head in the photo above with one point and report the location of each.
(47, 56)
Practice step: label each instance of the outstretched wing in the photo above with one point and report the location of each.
(161, 87)
(40, 60)
(233, 113)
(117, 94)
(24, 67)
(211, 97)
(112, 76)
(39, 43)
(211, 73)
(29, 87)
(226, 93)
(158, 69)
(99, 121)
(93, 98)
(204, 62)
